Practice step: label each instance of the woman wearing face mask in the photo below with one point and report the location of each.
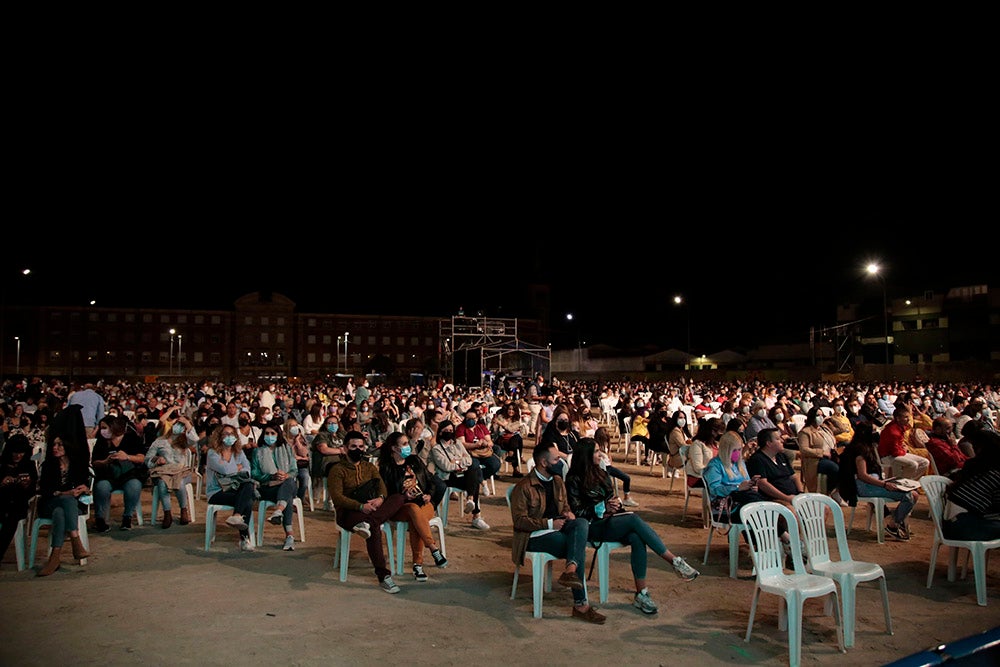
(18, 477)
(404, 473)
(228, 480)
(591, 497)
(171, 462)
(294, 435)
(327, 449)
(313, 422)
(119, 461)
(816, 448)
(453, 463)
(560, 433)
(703, 449)
(273, 466)
(509, 434)
(678, 439)
(248, 434)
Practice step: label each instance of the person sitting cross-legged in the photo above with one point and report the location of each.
(539, 502)
(363, 503)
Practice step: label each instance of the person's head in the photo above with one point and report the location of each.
(546, 456)
(231, 408)
(678, 420)
(902, 416)
(865, 439)
(394, 450)
(445, 431)
(471, 418)
(708, 430)
(735, 425)
(814, 417)
(770, 441)
(758, 409)
(16, 449)
(986, 445)
(560, 417)
(291, 428)
(350, 416)
(730, 450)
(839, 407)
(971, 427)
(316, 411)
(854, 405)
(942, 427)
(586, 461)
(602, 438)
(354, 441)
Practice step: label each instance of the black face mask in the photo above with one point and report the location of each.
(243, 422)
(562, 425)
(355, 454)
(446, 436)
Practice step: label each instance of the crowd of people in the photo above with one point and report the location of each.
(389, 453)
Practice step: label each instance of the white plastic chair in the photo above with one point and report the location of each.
(627, 421)
(798, 422)
(733, 534)
(604, 565)
(81, 525)
(876, 514)
(265, 505)
(698, 493)
(210, 512)
(19, 533)
(156, 501)
(541, 570)
(402, 527)
(847, 572)
(446, 501)
(934, 487)
(343, 549)
(760, 521)
(138, 505)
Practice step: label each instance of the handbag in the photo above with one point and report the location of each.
(366, 491)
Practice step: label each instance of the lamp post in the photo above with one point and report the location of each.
(172, 332)
(874, 269)
(679, 301)
(18, 367)
(579, 345)
(346, 336)
(180, 353)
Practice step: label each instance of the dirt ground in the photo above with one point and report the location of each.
(154, 596)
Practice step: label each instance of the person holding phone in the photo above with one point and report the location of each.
(454, 464)
(591, 497)
(18, 478)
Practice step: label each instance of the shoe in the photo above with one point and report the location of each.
(517, 473)
(570, 580)
(906, 529)
(470, 506)
(101, 526)
(480, 524)
(453, 496)
(628, 502)
(185, 516)
(684, 571)
(439, 559)
(510, 458)
(276, 517)
(644, 603)
(79, 552)
(126, 523)
(53, 564)
(418, 573)
(896, 532)
(236, 521)
(245, 544)
(168, 519)
(388, 585)
(591, 615)
(362, 529)
(289, 543)
(486, 490)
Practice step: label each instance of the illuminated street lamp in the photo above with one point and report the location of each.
(679, 301)
(172, 332)
(874, 269)
(180, 354)
(18, 367)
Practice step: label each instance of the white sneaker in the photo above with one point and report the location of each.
(236, 521)
(289, 543)
(470, 506)
(362, 529)
(486, 490)
(628, 502)
(276, 517)
(480, 524)
(388, 585)
(245, 544)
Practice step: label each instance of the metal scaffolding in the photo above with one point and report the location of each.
(494, 344)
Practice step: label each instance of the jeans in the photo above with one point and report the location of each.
(437, 493)
(240, 499)
(490, 465)
(282, 493)
(181, 493)
(905, 499)
(569, 543)
(618, 474)
(102, 497)
(637, 533)
(302, 477)
(969, 526)
(469, 482)
(65, 513)
(827, 467)
(347, 519)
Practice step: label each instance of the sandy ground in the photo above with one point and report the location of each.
(154, 596)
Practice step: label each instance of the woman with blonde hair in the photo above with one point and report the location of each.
(295, 436)
(171, 460)
(228, 481)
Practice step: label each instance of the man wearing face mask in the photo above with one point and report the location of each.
(758, 421)
(363, 504)
(544, 522)
(476, 437)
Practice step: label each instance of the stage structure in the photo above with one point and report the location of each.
(484, 351)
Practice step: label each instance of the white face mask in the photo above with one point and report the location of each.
(682, 423)
(779, 417)
(839, 410)
(761, 414)
(855, 409)
(819, 420)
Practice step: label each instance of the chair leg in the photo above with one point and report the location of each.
(537, 585)
(513, 588)
(885, 605)
(302, 522)
(837, 619)
(848, 591)
(402, 528)
(734, 551)
(603, 570)
(345, 552)
(753, 611)
(952, 562)
(708, 545)
(793, 622)
(979, 572)
(933, 560)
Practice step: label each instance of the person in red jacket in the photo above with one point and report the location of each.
(944, 448)
(893, 450)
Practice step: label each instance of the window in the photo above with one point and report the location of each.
(914, 358)
(130, 317)
(311, 322)
(215, 339)
(215, 357)
(199, 319)
(326, 357)
(280, 338)
(147, 357)
(216, 319)
(327, 340)
(264, 321)
(129, 356)
(429, 342)
(248, 320)
(146, 337)
(264, 337)
(147, 318)
(182, 319)
(372, 324)
(54, 356)
(386, 340)
(311, 339)
(311, 357)
(327, 324)
(280, 321)
(399, 358)
(931, 323)
(93, 317)
(198, 338)
(110, 356)
(128, 336)
(909, 325)
(164, 357)
(414, 341)
(112, 317)
(371, 341)
(199, 357)
(164, 319)
(55, 315)
(281, 358)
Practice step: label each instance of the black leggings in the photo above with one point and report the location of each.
(242, 499)
(469, 482)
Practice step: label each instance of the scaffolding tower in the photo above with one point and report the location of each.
(488, 348)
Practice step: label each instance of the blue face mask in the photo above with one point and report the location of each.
(178, 429)
(270, 439)
(469, 423)
(405, 451)
(599, 509)
(229, 441)
(332, 428)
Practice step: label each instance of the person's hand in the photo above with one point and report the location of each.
(368, 508)
(614, 504)
(376, 502)
(891, 486)
(569, 516)
(744, 486)
(558, 524)
(160, 461)
(427, 498)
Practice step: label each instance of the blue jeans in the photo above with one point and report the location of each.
(278, 493)
(569, 543)
(618, 474)
(631, 529)
(102, 497)
(902, 510)
(490, 465)
(181, 493)
(827, 467)
(64, 512)
(302, 476)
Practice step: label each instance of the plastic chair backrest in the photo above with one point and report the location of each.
(510, 490)
(760, 521)
(934, 486)
(811, 511)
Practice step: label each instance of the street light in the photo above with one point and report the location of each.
(346, 336)
(874, 269)
(172, 332)
(180, 354)
(18, 339)
(679, 301)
